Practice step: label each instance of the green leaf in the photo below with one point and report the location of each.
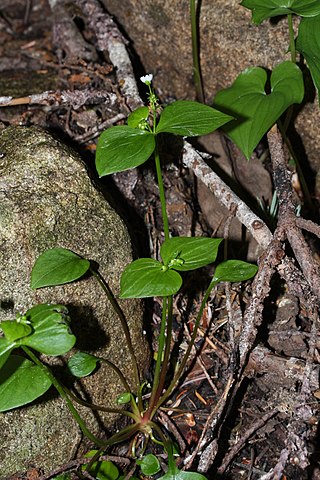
(51, 334)
(138, 117)
(21, 382)
(56, 267)
(149, 464)
(257, 111)
(102, 470)
(6, 348)
(121, 148)
(189, 253)
(234, 271)
(63, 476)
(190, 119)
(308, 43)
(148, 278)
(14, 330)
(177, 474)
(82, 364)
(263, 9)
(124, 398)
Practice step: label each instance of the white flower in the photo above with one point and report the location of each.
(147, 79)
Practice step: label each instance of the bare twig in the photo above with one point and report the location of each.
(258, 229)
(243, 440)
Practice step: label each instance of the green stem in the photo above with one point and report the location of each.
(123, 321)
(63, 394)
(92, 406)
(195, 53)
(292, 45)
(184, 361)
(119, 373)
(161, 193)
(161, 345)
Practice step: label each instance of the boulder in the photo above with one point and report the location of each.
(48, 200)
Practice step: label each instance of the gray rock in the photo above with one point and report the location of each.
(47, 200)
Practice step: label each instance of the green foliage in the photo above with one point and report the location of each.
(138, 117)
(82, 364)
(56, 267)
(21, 382)
(234, 271)
(121, 148)
(190, 119)
(263, 9)
(308, 43)
(147, 277)
(257, 111)
(149, 464)
(124, 398)
(103, 469)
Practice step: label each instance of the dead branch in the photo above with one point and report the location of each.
(196, 162)
(110, 41)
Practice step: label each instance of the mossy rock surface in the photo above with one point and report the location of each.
(47, 200)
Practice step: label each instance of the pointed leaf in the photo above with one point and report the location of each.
(148, 278)
(308, 43)
(257, 111)
(51, 334)
(263, 9)
(82, 364)
(190, 119)
(138, 117)
(56, 267)
(21, 382)
(188, 253)
(234, 271)
(121, 148)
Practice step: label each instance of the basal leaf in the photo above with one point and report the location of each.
(149, 464)
(190, 119)
(308, 43)
(102, 469)
(21, 382)
(234, 271)
(51, 333)
(257, 111)
(138, 116)
(263, 9)
(82, 364)
(148, 278)
(56, 267)
(188, 253)
(121, 148)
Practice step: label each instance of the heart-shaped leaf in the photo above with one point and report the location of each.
(190, 119)
(51, 334)
(21, 382)
(234, 271)
(262, 9)
(188, 253)
(138, 117)
(56, 267)
(82, 364)
(257, 111)
(121, 148)
(308, 43)
(148, 278)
